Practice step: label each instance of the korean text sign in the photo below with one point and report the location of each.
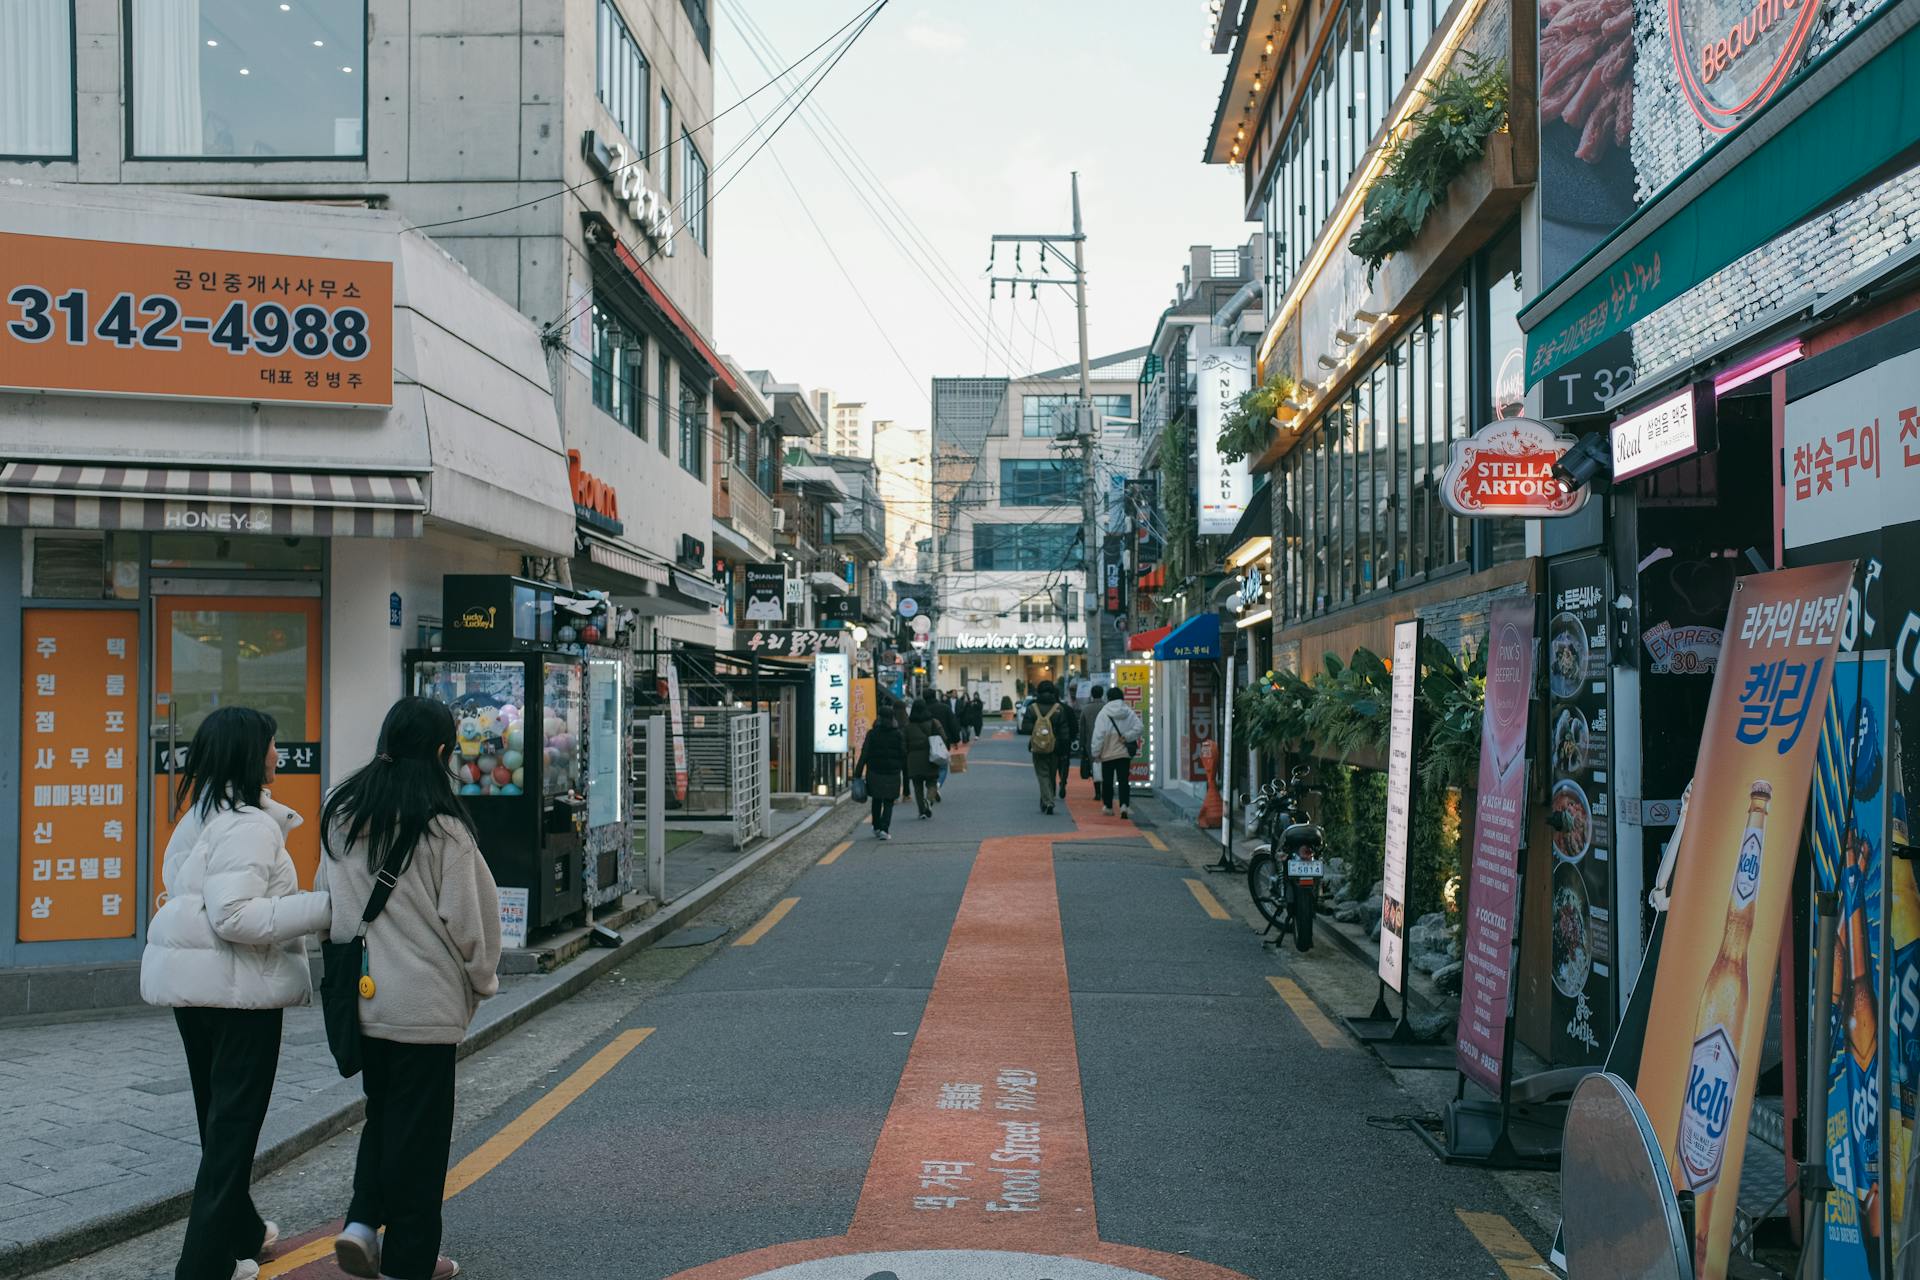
(832, 702)
(207, 324)
(1733, 874)
(1499, 826)
(1400, 735)
(80, 746)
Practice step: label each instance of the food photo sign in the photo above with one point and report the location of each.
(1580, 810)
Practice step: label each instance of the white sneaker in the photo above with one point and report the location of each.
(357, 1250)
(246, 1269)
(886, 835)
(272, 1238)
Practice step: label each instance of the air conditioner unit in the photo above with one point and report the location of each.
(779, 519)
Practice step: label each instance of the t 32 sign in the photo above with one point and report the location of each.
(1506, 469)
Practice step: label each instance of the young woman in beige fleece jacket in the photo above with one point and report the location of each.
(432, 955)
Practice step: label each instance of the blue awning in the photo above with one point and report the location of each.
(1196, 639)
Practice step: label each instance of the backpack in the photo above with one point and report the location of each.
(1043, 742)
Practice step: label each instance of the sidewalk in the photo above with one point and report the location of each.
(97, 1134)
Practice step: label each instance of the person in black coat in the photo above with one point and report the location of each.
(976, 715)
(883, 761)
(922, 727)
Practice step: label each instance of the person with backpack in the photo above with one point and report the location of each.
(883, 761)
(432, 954)
(923, 728)
(1116, 741)
(228, 952)
(1049, 727)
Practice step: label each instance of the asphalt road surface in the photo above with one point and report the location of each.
(1003, 1046)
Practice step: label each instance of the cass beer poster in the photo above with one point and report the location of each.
(1733, 873)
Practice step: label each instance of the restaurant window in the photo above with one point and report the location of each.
(36, 78)
(1506, 356)
(693, 430)
(241, 80)
(1033, 547)
(620, 74)
(1459, 409)
(619, 359)
(693, 210)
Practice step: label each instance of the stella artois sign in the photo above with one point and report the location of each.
(1506, 469)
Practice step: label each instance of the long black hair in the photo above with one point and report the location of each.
(394, 799)
(226, 766)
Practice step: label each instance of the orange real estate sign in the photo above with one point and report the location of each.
(103, 317)
(80, 748)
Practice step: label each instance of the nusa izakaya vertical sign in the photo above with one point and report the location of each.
(1226, 374)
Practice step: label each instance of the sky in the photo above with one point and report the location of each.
(971, 115)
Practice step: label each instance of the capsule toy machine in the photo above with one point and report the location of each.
(519, 708)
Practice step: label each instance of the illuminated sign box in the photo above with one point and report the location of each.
(1672, 429)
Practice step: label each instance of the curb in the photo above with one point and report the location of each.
(341, 1106)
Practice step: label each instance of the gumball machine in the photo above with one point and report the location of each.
(519, 719)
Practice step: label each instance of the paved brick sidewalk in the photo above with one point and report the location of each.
(106, 1103)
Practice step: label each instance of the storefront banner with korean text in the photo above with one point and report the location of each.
(1135, 679)
(864, 704)
(1400, 770)
(1848, 822)
(831, 703)
(1580, 809)
(114, 318)
(1499, 826)
(1733, 873)
(80, 761)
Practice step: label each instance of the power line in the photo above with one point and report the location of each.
(644, 157)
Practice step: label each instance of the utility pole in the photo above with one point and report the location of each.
(1080, 436)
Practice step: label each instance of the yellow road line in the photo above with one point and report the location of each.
(1509, 1248)
(767, 922)
(1318, 1025)
(1153, 838)
(489, 1155)
(1208, 903)
(833, 854)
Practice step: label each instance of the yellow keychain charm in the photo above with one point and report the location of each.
(366, 986)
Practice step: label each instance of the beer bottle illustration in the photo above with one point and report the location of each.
(1713, 1076)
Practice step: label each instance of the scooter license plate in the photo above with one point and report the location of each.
(1306, 867)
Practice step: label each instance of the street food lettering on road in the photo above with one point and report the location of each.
(153, 320)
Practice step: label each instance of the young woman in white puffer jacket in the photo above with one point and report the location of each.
(227, 951)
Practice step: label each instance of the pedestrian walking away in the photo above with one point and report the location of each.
(922, 772)
(883, 762)
(432, 955)
(227, 951)
(1049, 727)
(1116, 740)
(1085, 713)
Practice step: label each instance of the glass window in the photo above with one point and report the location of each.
(217, 551)
(1380, 386)
(1399, 42)
(36, 78)
(693, 430)
(1036, 547)
(1459, 411)
(1403, 497)
(1039, 482)
(693, 210)
(621, 80)
(665, 147)
(1309, 526)
(1506, 351)
(1436, 431)
(1338, 121)
(238, 79)
(619, 361)
(663, 402)
(1422, 26)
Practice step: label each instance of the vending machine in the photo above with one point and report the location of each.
(520, 716)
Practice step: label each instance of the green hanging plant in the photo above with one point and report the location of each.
(1351, 702)
(1248, 427)
(1453, 699)
(1272, 713)
(1465, 106)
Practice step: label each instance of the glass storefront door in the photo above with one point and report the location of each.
(252, 651)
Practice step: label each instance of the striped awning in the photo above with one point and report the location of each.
(608, 556)
(48, 495)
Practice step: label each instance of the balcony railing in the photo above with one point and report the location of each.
(738, 501)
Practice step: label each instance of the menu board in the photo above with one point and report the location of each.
(1393, 884)
(79, 743)
(1579, 810)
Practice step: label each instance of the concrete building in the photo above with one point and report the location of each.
(1006, 554)
(473, 122)
(850, 436)
(900, 453)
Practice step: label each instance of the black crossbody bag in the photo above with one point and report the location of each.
(345, 980)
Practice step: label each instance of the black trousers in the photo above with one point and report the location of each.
(1063, 768)
(882, 812)
(1116, 779)
(400, 1176)
(232, 1055)
(920, 786)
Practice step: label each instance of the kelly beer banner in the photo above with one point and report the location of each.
(1733, 874)
(1400, 764)
(1498, 826)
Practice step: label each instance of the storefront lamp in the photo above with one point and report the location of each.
(1587, 462)
(859, 635)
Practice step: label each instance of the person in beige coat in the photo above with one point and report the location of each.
(432, 955)
(227, 951)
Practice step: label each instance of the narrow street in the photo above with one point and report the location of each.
(1001, 1034)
